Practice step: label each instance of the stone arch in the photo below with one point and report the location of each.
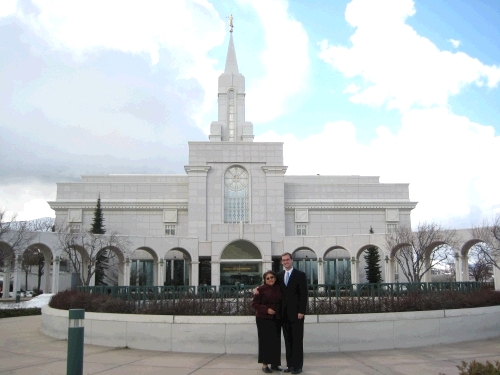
(337, 265)
(177, 271)
(41, 272)
(7, 259)
(361, 263)
(473, 262)
(116, 258)
(6, 253)
(76, 260)
(241, 263)
(143, 267)
(305, 259)
(241, 249)
(464, 250)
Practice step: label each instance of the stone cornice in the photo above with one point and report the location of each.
(197, 168)
(350, 205)
(120, 204)
(277, 169)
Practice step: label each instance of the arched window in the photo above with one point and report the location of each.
(236, 186)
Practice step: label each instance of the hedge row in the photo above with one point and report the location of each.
(345, 305)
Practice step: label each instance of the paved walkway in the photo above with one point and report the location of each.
(25, 350)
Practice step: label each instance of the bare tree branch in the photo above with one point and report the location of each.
(82, 249)
(417, 252)
(489, 234)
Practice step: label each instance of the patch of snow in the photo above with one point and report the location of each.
(38, 301)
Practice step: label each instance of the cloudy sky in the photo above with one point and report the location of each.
(405, 90)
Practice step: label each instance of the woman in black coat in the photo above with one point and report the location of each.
(267, 305)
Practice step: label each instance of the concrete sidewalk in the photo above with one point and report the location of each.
(25, 350)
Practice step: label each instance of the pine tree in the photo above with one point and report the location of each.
(372, 268)
(102, 259)
(98, 220)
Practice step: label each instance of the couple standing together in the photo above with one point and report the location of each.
(281, 302)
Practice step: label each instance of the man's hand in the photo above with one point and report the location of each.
(300, 316)
(271, 311)
(255, 291)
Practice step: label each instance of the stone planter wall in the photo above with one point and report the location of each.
(238, 334)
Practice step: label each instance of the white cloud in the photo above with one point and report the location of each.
(447, 160)
(401, 68)
(285, 60)
(8, 7)
(351, 89)
(456, 43)
(28, 200)
(187, 29)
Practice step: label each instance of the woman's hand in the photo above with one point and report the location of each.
(271, 311)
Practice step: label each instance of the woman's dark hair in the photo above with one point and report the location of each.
(267, 273)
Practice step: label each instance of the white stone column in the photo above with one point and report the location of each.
(55, 275)
(496, 277)
(194, 276)
(465, 268)
(160, 277)
(120, 273)
(354, 270)
(17, 274)
(427, 275)
(84, 270)
(392, 270)
(92, 278)
(6, 279)
(266, 266)
(215, 272)
(126, 272)
(46, 275)
(321, 271)
(458, 267)
(387, 270)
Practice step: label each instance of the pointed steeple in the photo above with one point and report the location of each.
(231, 125)
(231, 62)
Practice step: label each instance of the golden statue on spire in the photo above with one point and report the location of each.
(231, 23)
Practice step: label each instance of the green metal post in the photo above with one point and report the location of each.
(75, 342)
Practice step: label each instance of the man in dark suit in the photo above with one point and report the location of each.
(293, 285)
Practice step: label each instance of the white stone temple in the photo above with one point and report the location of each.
(229, 217)
(235, 210)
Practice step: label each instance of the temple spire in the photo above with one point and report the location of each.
(231, 62)
(231, 125)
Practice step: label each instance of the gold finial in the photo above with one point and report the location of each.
(231, 23)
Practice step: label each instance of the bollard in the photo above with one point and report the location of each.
(18, 296)
(75, 342)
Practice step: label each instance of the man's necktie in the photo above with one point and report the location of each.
(287, 277)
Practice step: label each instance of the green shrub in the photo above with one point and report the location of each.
(478, 368)
(12, 313)
(192, 305)
(90, 302)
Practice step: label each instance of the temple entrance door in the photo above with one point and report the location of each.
(241, 263)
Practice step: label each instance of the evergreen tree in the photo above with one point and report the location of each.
(102, 259)
(372, 268)
(98, 220)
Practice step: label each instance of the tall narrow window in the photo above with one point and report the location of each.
(236, 181)
(230, 122)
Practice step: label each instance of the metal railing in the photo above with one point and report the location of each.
(316, 291)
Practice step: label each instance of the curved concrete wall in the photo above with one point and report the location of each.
(238, 334)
